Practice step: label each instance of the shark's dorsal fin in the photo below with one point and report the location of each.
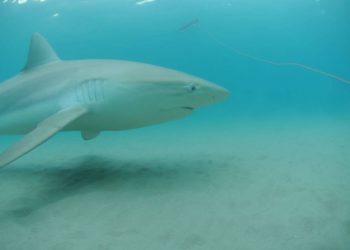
(40, 52)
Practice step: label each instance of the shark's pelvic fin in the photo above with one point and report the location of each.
(89, 134)
(40, 52)
(45, 130)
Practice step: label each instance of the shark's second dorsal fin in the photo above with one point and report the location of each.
(40, 52)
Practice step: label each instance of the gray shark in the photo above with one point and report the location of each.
(51, 95)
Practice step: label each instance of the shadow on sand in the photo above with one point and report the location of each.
(96, 174)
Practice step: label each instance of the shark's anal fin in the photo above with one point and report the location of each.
(45, 130)
(89, 134)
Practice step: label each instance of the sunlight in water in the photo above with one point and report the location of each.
(144, 2)
(22, 1)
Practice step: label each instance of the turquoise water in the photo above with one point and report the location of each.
(309, 32)
(267, 168)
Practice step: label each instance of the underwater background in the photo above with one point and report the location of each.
(268, 168)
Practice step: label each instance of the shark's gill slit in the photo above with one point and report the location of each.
(84, 92)
(94, 85)
(76, 93)
(102, 89)
(96, 90)
(195, 22)
(79, 93)
(92, 90)
(89, 88)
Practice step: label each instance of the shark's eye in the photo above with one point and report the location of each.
(192, 88)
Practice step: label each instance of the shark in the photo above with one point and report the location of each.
(50, 95)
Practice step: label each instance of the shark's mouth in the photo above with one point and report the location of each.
(188, 108)
(184, 108)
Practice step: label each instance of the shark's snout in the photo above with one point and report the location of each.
(219, 93)
(215, 93)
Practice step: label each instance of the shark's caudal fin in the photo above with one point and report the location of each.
(40, 52)
(41, 133)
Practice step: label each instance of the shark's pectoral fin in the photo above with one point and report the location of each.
(45, 130)
(89, 134)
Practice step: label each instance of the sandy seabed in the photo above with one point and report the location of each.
(237, 185)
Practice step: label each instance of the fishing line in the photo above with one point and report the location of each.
(195, 22)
